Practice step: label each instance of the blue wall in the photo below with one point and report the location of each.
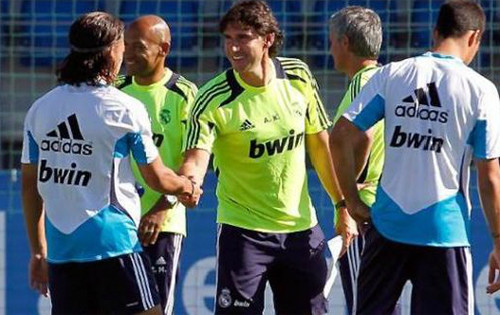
(197, 280)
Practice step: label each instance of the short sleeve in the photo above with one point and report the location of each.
(30, 151)
(186, 106)
(136, 127)
(485, 135)
(369, 105)
(316, 118)
(143, 147)
(201, 125)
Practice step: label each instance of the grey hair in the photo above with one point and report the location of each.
(362, 27)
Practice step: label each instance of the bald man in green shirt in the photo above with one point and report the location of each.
(167, 97)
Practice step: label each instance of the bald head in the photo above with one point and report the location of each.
(147, 45)
(153, 27)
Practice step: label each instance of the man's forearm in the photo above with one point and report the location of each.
(319, 153)
(489, 190)
(195, 165)
(342, 153)
(33, 211)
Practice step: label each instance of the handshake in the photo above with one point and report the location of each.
(178, 188)
(191, 193)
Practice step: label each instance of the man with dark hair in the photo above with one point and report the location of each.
(167, 97)
(80, 202)
(259, 119)
(438, 114)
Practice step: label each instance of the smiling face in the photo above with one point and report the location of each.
(244, 48)
(142, 52)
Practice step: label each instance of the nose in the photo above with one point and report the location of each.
(232, 45)
(235, 48)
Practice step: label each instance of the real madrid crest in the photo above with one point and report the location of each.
(165, 116)
(224, 298)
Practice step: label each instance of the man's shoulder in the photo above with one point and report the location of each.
(46, 100)
(220, 80)
(220, 91)
(118, 97)
(288, 61)
(217, 88)
(395, 66)
(182, 81)
(479, 81)
(181, 86)
(293, 67)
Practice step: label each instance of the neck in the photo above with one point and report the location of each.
(155, 76)
(260, 75)
(451, 47)
(357, 64)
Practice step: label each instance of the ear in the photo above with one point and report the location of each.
(345, 41)
(474, 38)
(164, 48)
(269, 40)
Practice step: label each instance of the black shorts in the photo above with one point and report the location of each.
(119, 285)
(293, 263)
(441, 277)
(165, 258)
(349, 269)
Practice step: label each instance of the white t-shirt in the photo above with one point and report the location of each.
(438, 114)
(81, 138)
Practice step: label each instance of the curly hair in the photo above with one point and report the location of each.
(257, 15)
(91, 37)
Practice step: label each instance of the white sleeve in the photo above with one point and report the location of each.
(485, 136)
(142, 145)
(369, 106)
(30, 151)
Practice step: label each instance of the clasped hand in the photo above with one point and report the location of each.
(191, 200)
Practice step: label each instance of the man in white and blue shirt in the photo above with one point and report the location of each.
(79, 197)
(438, 114)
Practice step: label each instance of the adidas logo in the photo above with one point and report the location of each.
(421, 97)
(246, 125)
(68, 139)
(160, 261)
(427, 105)
(62, 129)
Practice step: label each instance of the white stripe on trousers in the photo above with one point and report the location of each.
(142, 283)
(169, 307)
(149, 296)
(470, 285)
(219, 229)
(355, 283)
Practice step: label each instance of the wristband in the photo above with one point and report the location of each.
(171, 199)
(340, 204)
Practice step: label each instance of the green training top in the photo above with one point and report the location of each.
(373, 169)
(257, 136)
(167, 102)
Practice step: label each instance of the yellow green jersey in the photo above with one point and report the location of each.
(257, 136)
(168, 103)
(373, 169)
